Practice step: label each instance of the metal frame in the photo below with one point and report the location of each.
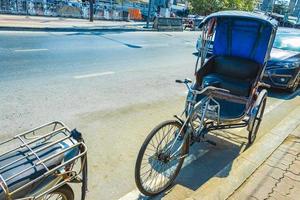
(27, 141)
(208, 30)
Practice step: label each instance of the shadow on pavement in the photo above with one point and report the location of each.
(215, 159)
(212, 159)
(103, 33)
(282, 94)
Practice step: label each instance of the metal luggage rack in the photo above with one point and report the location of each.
(50, 134)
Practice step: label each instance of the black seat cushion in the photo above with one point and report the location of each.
(232, 73)
(23, 164)
(235, 86)
(236, 67)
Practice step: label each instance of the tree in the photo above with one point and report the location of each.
(205, 7)
(281, 7)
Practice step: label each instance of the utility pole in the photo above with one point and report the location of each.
(91, 10)
(149, 13)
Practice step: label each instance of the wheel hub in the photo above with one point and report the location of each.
(163, 157)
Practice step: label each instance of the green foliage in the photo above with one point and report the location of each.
(281, 7)
(205, 7)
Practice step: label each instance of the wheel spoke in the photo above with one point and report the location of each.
(157, 169)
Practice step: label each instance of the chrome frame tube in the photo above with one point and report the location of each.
(58, 127)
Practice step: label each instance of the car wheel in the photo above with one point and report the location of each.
(295, 85)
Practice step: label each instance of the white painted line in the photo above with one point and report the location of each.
(30, 50)
(93, 75)
(135, 194)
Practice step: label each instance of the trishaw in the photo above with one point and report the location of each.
(228, 93)
(42, 162)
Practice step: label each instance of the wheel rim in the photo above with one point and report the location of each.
(257, 121)
(161, 159)
(55, 196)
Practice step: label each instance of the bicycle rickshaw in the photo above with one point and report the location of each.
(227, 93)
(40, 164)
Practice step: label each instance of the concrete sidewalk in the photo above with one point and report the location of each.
(230, 179)
(35, 23)
(278, 177)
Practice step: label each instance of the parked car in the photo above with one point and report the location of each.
(283, 68)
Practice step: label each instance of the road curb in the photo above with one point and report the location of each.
(224, 183)
(71, 29)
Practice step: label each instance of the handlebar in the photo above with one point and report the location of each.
(184, 81)
(204, 90)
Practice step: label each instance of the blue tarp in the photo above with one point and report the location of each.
(242, 34)
(243, 38)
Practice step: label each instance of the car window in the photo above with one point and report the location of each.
(287, 41)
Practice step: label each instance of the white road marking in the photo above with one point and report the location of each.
(93, 75)
(135, 194)
(30, 50)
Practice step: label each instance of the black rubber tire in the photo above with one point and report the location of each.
(253, 132)
(84, 186)
(141, 154)
(65, 191)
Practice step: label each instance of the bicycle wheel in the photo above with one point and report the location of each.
(160, 158)
(65, 192)
(257, 119)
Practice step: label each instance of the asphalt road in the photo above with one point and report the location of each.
(47, 76)
(113, 87)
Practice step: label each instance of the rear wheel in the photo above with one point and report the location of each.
(259, 109)
(160, 158)
(65, 192)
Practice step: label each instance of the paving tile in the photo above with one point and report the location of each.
(262, 193)
(277, 178)
(273, 172)
(283, 155)
(291, 182)
(289, 148)
(276, 163)
(294, 193)
(282, 161)
(278, 196)
(283, 188)
(295, 168)
(286, 159)
(293, 176)
(258, 186)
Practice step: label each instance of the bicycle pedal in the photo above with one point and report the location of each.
(211, 142)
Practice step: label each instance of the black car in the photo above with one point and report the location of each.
(283, 68)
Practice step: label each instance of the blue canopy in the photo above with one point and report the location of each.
(242, 34)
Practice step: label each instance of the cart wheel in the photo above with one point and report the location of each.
(160, 158)
(84, 186)
(65, 192)
(257, 115)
